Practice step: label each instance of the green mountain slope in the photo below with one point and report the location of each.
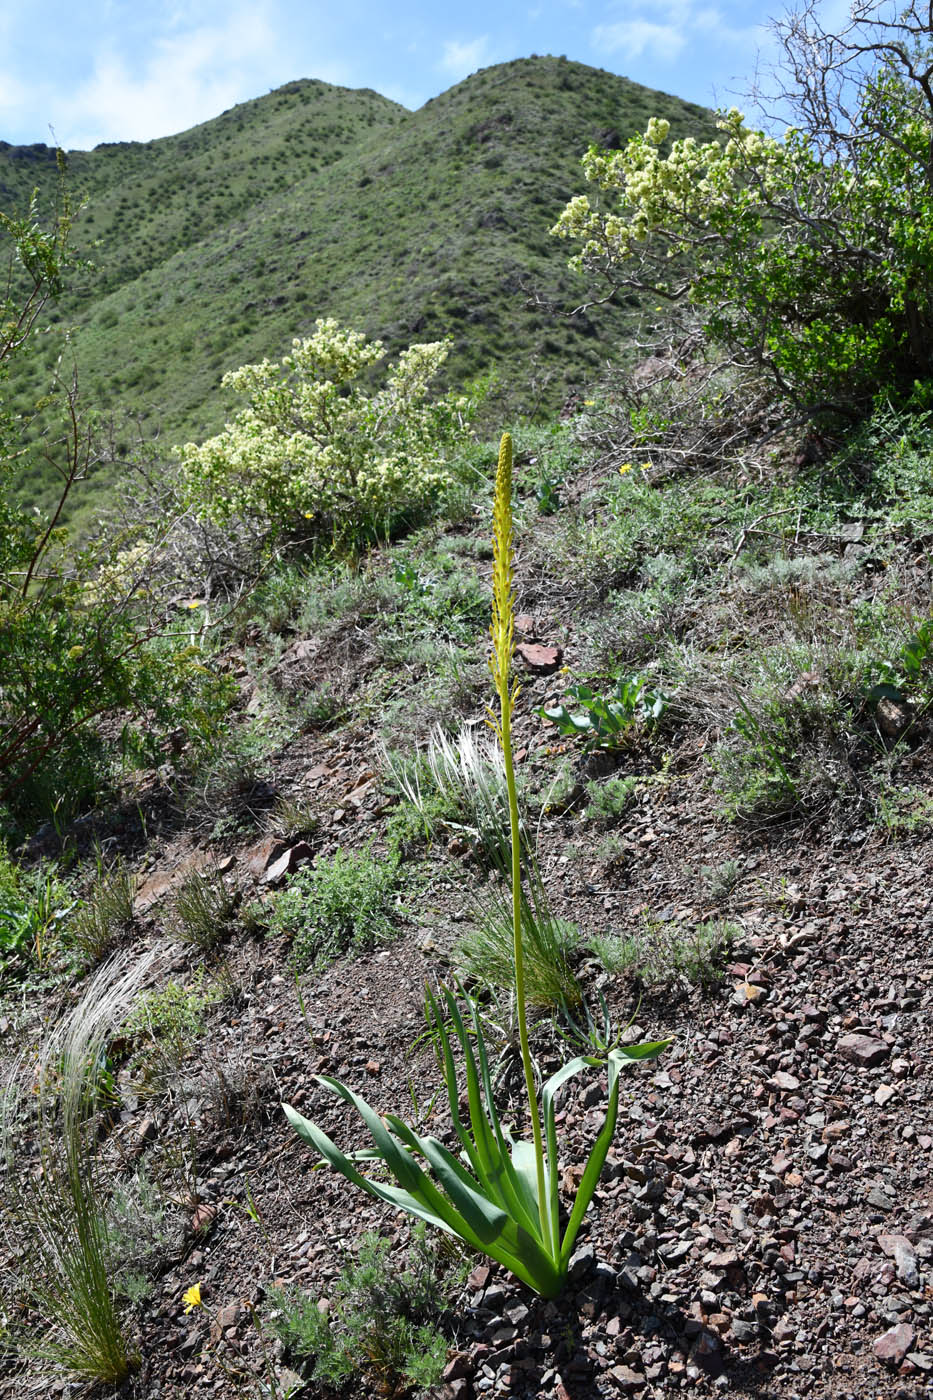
(219, 245)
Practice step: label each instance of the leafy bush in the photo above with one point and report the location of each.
(315, 450)
(81, 634)
(811, 255)
(337, 906)
(609, 799)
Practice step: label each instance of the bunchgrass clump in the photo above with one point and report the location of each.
(459, 783)
(99, 921)
(336, 906)
(485, 954)
(204, 908)
(57, 1219)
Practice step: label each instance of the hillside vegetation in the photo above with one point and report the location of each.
(460, 923)
(220, 245)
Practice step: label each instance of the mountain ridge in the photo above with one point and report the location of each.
(218, 245)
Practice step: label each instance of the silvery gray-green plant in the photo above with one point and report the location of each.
(469, 775)
(498, 1194)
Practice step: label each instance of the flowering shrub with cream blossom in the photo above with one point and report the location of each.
(315, 447)
(814, 263)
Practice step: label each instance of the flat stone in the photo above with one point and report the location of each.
(863, 1050)
(880, 1199)
(259, 857)
(539, 658)
(893, 1346)
(152, 889)
(296, 855)
(627, 1379)
(229, 1316)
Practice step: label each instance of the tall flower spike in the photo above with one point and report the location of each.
(503, 598)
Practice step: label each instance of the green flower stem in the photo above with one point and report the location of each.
(502, 630)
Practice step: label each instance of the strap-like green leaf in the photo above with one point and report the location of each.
(593, 1169)
(648, 1050)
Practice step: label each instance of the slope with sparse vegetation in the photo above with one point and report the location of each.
(282, 847)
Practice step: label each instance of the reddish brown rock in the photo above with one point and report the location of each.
(863, 1050)
(541, 659)
(259, 857)
(296, 855)
(152, 890)
(893, 1346)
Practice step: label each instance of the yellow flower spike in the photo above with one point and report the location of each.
(503, 624)
(192, 1298)
(503, 598)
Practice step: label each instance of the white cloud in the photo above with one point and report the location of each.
(460, 59)
(184, 76)
(684, 22)
(637, 38)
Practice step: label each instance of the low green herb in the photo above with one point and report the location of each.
(605, 721)
(383, 1319)
(336, 906)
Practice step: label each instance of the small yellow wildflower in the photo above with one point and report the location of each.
(625, 467)
(589, 403)
(194, 603)
(192, 1297)
(646, 466)
(309, 514)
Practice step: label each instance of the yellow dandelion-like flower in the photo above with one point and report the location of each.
(625, 467)
(194, 603)
(645, 466)
(192, 1297)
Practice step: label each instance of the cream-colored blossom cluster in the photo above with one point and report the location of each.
(681, 195)
(313, 444)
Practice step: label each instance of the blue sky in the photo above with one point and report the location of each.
(108, 70)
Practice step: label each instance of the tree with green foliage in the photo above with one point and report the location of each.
(808, 255)
(316, 450)
(82, 634)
